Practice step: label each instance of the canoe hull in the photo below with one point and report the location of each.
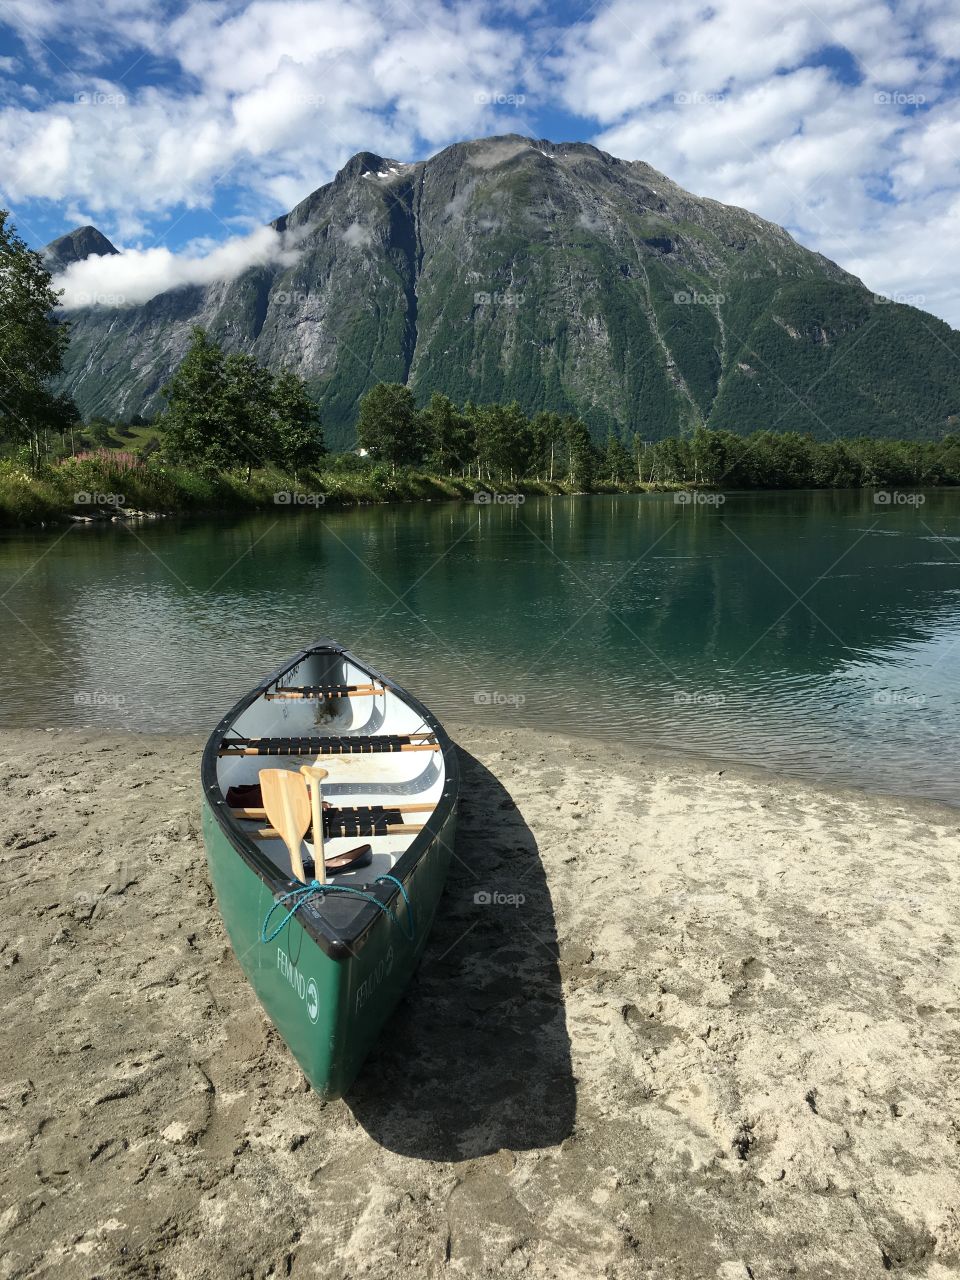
(329, 1010)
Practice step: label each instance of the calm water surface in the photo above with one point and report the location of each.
(814, 633)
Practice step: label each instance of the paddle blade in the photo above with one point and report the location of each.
(286, 802)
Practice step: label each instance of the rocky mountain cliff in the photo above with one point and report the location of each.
(554, 274)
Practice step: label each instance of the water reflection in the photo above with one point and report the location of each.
(809, 632)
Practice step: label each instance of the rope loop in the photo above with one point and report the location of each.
(307, 892)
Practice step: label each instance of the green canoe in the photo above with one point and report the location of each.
(329, 963)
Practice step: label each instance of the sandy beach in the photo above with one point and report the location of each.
(709, 1030)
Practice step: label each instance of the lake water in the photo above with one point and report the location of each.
(813, 633)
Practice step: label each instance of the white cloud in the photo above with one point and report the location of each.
(356, 236)
(740, 101)
(724, 101)
(139, 274)
(273, 97)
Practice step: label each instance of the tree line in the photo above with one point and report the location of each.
(492, 442)
(499, 443)
(227, 413)
(789, 460)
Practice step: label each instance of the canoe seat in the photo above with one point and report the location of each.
(366, 820)
(346, 744)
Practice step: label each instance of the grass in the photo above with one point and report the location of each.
(99, 484)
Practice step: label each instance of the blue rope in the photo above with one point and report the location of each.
(304, 893)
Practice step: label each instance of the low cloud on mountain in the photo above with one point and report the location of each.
(139, 274)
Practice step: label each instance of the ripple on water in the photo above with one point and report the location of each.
(818, 647)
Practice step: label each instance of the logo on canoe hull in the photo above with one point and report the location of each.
(306, 988)
(382, 969)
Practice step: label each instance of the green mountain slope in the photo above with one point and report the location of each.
(556, 275)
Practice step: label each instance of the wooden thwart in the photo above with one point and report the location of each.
(320, 692)
(269, 833)
(345, 745)
(253, 814)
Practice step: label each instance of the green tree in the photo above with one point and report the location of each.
(709, 456)
(225, 411)
(32, 343)
(546, 430)
(192, 427)
(445, 434)
(100, 432)
(504, 441)
(388, 425)
(616, 460)
(581, 455)
(298, 435)
(247, 417)
(673, 460)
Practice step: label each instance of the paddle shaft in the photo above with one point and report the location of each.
(313, 775)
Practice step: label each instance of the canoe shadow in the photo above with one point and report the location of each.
(477, 1057)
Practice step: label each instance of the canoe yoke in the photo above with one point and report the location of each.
(347, 744)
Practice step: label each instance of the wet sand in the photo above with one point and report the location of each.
(718, 1037)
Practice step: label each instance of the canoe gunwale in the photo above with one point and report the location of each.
(343, 943)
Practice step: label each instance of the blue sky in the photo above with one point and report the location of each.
(179, 129)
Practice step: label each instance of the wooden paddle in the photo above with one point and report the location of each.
(314, 775)
(287, 806)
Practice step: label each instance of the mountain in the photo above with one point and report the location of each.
(85, 242)
(554, 274)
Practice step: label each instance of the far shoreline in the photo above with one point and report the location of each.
(684, 495)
